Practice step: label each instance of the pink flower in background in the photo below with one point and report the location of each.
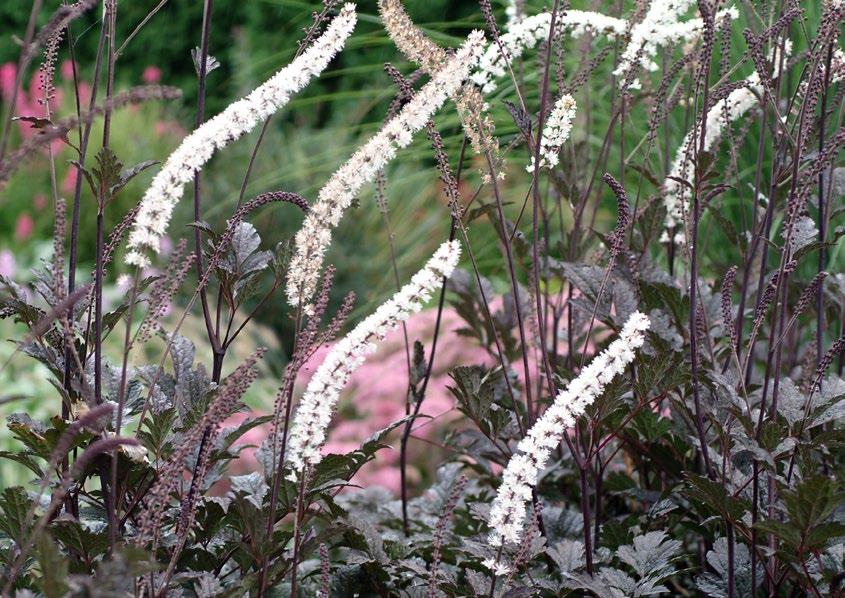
(8, 72)
(68, 184)
(8, 265)
(84, 93)
(151, 75)
(24, 227)
(36, 97)
(66, 70)
(165, 246)
(39, 201)
(379, 388)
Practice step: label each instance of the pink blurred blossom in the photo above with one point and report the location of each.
(8, 265)
(379, 388)
(165, 246)
(24, 227)
(68, 184)
(66, 70)
(84, 93)
(151, 75)
(8, 72)
(39, 201)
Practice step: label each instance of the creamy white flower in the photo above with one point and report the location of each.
(317, 405)
(314, 238)
(661, 26)
(555, 132)
(676, 195)
(237, 119)
(659, 23)
(508, 511)
(497, 567)
(527, 32)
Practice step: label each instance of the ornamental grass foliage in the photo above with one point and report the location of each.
(641, 208)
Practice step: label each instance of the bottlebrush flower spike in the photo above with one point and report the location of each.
(555, 133)
(314, 238)
(654, 32)
(660, 27)
(508, 512)
(317, 405)
(527, 32)
(237, 119)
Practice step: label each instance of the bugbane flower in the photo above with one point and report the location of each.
(314, 238)
(525, 33)
(508, 511)
(237, 119)
(317, 405)
(656, 30)
(555, 132)
(661, 26)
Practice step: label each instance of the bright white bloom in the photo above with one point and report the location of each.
(555, 133)
(660, 22)
(529, 31)
(661, 26)
(526, 33)
(512, 13)
(237, 119)
(496, 566)
(508, 512)
(314, 238)
(676, 195)
(317, 405)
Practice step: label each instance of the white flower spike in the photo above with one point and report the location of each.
(315, 410)
(237, 119)
(508, 511)
(314, 238)
(555, 132)
(676, 195)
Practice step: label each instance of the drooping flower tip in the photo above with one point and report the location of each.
(508, 511)
(317, 406)
(237, 119)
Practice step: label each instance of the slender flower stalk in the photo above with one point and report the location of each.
(508, 512)
(236, 120)
(314, 238)
(555, 133)
(317, 405)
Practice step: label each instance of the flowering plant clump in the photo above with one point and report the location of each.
(507, 513)
(609, 363)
